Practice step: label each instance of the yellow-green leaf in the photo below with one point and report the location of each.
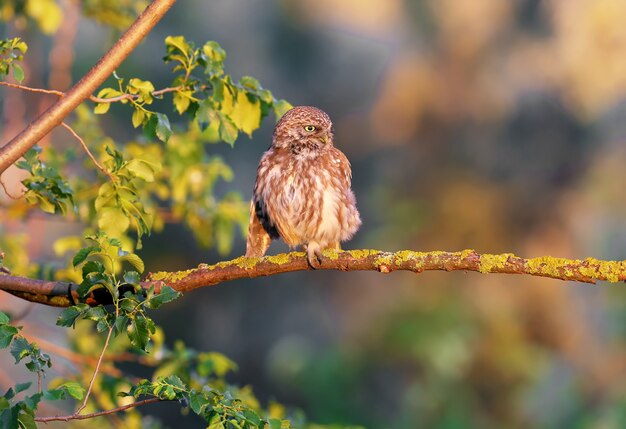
(101, 108)
(138, 116)
(113, 221)
(247, 113)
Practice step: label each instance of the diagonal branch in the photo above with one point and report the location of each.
(588, 270)
(55, 114)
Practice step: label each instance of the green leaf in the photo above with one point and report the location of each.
(143, 169)
(228, 129)
(20, 348)
(69, 316)
(20, 387)
(82, 254)
(179, 43)
(138, 333)
(131, 277)
(74, 389)
(93, 267)
(214, 363)
(134, 260)
(281, 107)
(274, 424)
(18, 73)
(252, 417)
(167, 295)
(197, 402)
(7, 333)
(27, 419)
(163, 129)
(249, 83)
(4, 318)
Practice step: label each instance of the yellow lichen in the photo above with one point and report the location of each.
(466, 253)
(245, 262)
(554, 267)
(159, 275)
(283, 258)
(332, 253)
(362, 253)
(385, 259)
(489, 263)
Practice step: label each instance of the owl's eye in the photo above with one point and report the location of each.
(309, 128)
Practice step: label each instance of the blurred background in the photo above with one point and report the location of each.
(485, 124)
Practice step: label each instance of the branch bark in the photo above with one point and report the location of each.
(588, 270)
(55, 114)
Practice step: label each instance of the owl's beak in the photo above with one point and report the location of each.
(325, 138)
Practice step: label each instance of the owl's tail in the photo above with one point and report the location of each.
(258, 240)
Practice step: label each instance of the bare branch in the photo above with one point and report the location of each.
(97, 414)
(6, 191)
(589, 270)
(55, 114)
(31, 89)
(97, 368)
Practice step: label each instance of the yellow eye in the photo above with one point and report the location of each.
(309, 128)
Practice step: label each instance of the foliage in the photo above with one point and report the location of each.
(196, 380)
(12, 51)
(16, 413)
(146, 182)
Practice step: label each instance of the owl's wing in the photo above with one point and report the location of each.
(261, 231)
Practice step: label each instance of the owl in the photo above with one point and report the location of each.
(302, 192)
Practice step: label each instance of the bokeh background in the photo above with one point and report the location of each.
(485, 124)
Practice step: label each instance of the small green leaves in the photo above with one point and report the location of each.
(139, 331)
(7, 331)
(68, 389)
(45, 186)
(69, 315)
(12, 51)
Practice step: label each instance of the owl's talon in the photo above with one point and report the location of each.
(314, 257)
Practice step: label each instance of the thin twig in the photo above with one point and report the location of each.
(93, 98)
(72, 356)
(89, 154)
(97, 369)
(6, 191)
(123, 97)
(31, 89)
(96, 414)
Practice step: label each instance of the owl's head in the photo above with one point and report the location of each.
(303, 127)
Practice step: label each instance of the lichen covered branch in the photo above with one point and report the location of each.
(587, 270)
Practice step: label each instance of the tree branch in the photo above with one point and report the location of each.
(54, 115)
(589, 270)
(97, 414)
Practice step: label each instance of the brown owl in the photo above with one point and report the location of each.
(302, 192)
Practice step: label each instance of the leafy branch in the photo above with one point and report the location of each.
(54, 115)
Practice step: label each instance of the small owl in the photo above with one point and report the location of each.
(302, 192)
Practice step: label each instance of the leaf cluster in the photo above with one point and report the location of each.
(45, 186)
(20, 413)
(12, 51)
